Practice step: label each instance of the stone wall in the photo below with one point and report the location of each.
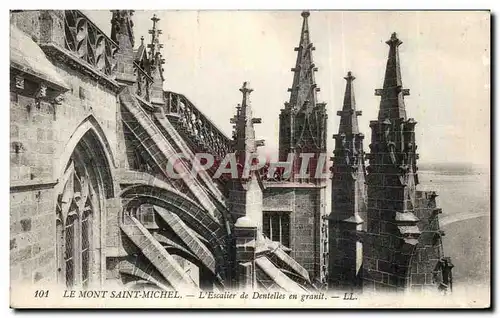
(305, 206)
(43, 137)
(429, 251)
(32, 197)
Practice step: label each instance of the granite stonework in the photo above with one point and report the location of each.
(92, 201)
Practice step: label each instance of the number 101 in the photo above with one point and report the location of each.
(41, 293)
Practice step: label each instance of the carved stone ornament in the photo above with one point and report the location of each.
(19, 82)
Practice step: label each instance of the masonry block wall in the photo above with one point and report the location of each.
(390, 242)
(429, 251)
(306, 209)
(32, 251)
(345, 229)
(245, 233)
(43, 136)
(345, 256)
(246, 200)
(307, 228)
(379, 272)
(384, 253)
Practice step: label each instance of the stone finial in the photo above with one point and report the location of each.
(244, 122)
(394, 41)
(155, 45)
(246, 89)
(349, 77)
(155, 19)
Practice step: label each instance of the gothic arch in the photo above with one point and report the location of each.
(83, 187)
(97, 144)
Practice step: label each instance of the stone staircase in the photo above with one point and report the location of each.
(146, 131)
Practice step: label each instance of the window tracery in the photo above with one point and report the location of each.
(76, 208)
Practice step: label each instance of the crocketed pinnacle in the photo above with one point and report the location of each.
(303, 91)
(244, 132)
(121, 23)
(246, 108)
(155, 46)
(392, 102)
(349, 115)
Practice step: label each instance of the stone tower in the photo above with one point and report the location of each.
(303, 120)
(295, 205)
(392, 226)
(348, 197)
(245, 194)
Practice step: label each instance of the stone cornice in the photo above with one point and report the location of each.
(62, 55)
(292, 185)
(37, 77)
(18, 186)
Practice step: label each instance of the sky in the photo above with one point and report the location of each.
(445, 62)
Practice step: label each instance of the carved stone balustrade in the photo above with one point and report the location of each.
(201, 131)
(88, 42)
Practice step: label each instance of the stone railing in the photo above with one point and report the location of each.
(192, 122)
(88, 42)
(142, 87)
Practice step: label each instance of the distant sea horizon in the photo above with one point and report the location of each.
(454, 167)
(464, 195)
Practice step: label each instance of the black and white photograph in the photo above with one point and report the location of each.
(249, 159)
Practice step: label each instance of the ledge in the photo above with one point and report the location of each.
(30, 74)
(276, 209)
(19, 186)
(286, 184)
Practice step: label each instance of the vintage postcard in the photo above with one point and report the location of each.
(249, 159)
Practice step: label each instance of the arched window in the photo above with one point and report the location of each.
(70, 248)
(78, 216)
(86, 235)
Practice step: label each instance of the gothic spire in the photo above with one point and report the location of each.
(349, 114)
(155, 45)
(349, 141)
(392, 102)
(243, 121)
(303, 91)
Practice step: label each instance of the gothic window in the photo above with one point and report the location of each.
(69, 251)
(276, 226)
(76, 209)
(85, 256)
